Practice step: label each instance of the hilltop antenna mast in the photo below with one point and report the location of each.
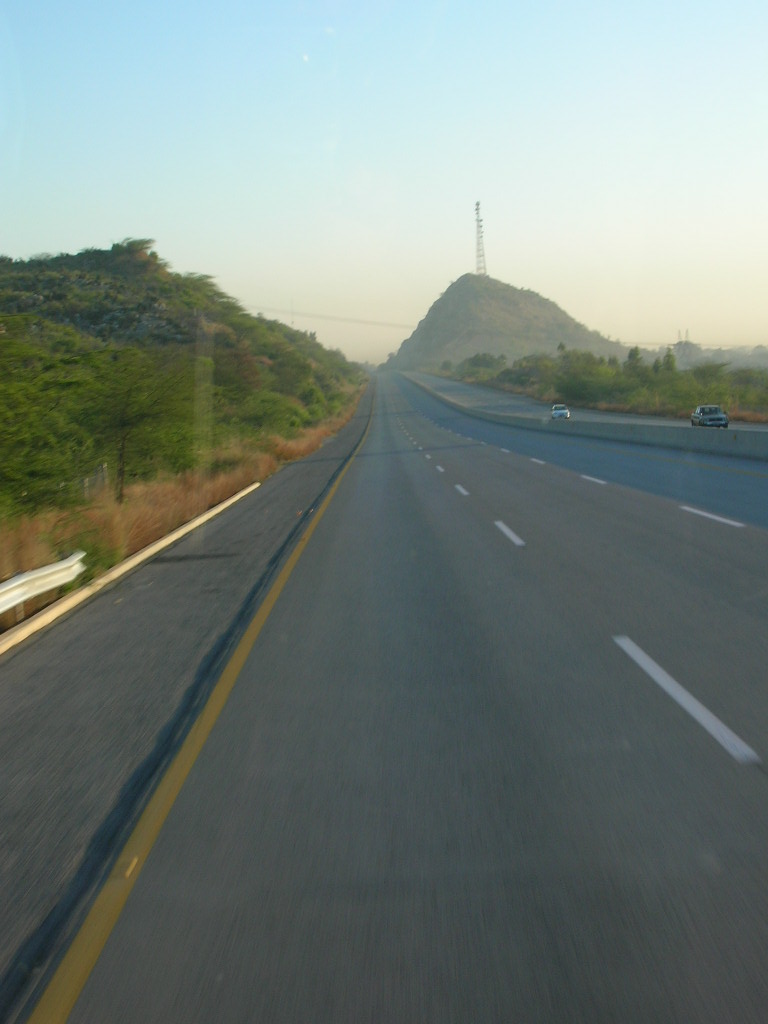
(480, 259)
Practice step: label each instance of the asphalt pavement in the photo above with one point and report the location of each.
(497, 754)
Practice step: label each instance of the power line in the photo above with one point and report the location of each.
(338, 319)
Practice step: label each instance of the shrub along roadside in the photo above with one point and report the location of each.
(109, 530)
(67, 410)
(656, 389)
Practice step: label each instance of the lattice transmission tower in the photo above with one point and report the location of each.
(480, 252)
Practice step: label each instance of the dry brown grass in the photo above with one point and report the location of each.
(309, 440)
(109, 531)
(735, 414)
(153, 510)
(26, 544)
(287, 450)
(747, 415)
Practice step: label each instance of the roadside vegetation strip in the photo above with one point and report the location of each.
(153, 511)
(36, 960)
(600, 381)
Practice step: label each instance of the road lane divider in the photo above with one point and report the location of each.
(461, 490)
(593, 479)
(736, 747)
(517, 541)
(711, 515)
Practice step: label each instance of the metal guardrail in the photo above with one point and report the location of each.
(20, 588)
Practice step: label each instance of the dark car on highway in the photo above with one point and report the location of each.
(709, 416)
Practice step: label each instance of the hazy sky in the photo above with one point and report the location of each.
(325, 157)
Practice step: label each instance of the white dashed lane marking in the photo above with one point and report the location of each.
(517, 541)
(711, 515)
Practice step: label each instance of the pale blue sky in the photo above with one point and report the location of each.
(326, 157)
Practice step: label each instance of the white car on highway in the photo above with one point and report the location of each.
(561, 412)
(709, 416)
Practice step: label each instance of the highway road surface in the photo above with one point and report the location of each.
(497, 753)
(721, 483)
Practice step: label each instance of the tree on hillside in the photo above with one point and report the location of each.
(42, 451)
(481, 366)
(142, 410)
(634, 360)
(43, 446)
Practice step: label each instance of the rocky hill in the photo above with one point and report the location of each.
(478, 314)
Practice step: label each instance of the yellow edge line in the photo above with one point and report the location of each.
(63, 991)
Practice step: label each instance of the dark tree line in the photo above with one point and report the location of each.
(636, 385)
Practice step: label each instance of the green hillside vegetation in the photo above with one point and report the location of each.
(478, 314)
(633, 385)
(109, 358)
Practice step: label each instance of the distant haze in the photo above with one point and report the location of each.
(325, 158)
